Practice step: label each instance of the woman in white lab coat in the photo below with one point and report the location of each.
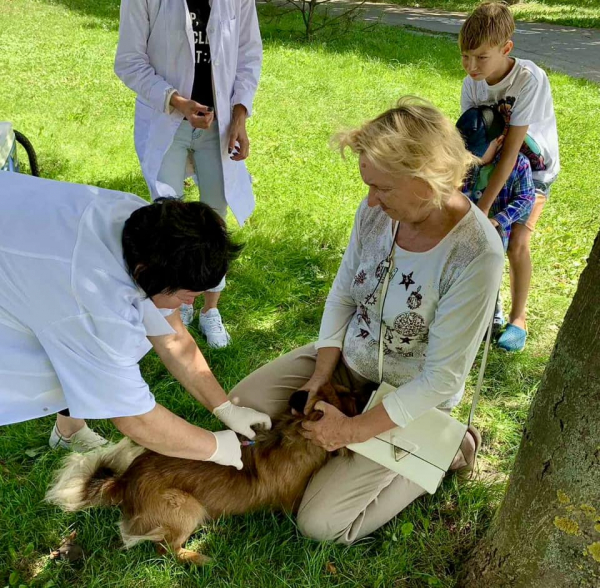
(89, 279)
(194, 65)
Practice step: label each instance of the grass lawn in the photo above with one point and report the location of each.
(59, 89)
(576, 13)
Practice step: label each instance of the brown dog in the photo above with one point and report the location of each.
(165, 499)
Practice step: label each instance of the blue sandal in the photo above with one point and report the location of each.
(513, 338)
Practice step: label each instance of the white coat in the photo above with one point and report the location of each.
(156, 55)
(73, 324)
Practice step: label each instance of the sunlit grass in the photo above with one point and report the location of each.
(59, 89)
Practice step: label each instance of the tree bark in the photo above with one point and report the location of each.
(547, 530)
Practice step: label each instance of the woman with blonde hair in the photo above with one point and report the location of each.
(448, 262)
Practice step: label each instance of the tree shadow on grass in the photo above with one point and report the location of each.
(392, 45)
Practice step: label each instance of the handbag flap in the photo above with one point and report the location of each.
(434, 437)
(411, 467)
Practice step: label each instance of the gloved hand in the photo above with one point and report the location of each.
(240, 419)
(228, 451)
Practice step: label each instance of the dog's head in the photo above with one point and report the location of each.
(339, 396)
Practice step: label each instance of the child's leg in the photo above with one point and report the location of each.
(519, 257)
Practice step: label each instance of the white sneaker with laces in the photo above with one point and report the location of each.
(82, 441)
(211, 325)
(187, 314)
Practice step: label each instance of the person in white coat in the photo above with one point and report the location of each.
(83, 274)
(195, 66)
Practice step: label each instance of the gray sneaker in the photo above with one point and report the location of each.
(82, 441)
(187, 314)
(211, 325)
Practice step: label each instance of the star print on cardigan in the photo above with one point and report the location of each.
(371, 299)
(407, 280)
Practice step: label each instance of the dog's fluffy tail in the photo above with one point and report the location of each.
(92, 479)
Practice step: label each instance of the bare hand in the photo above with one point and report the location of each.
(494, 223)
(198, 115)
(332, 431)
(312, 387)
(239, 144)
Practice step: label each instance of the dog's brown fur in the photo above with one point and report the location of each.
(165, 499)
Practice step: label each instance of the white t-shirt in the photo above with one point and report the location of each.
(73, 324)
(524, 98)
(437, 308)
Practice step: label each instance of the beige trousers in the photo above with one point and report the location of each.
(349, 498)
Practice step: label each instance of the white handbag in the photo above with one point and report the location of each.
(423, 450)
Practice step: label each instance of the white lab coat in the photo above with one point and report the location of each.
(73, 324)
(156, 54)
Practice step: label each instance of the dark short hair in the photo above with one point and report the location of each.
(173, 245)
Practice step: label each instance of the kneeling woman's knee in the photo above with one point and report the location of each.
(316, 527)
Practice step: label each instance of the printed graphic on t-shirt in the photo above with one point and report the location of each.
(408, 335)
(503, 97)
(525, 99)
(201, 44)
(530, 148)
(202, 91)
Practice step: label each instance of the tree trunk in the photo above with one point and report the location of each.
(547, 530)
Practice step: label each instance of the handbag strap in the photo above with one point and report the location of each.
(388, 265)
(484, 358)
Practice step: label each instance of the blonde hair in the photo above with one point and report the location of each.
(413, 139)
(491, 23)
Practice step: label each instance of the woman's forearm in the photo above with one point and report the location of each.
(327, 360)
(164, 432)
(190, 368)
(370, 424)
(185, 361)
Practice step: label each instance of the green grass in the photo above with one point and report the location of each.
(576, 13)
(58, 88)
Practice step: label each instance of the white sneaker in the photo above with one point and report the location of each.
(82, 441)
(211, 325)
(187, 314)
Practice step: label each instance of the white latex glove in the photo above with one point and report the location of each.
(228, 451)
(240, 418)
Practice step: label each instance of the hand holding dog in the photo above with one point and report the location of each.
(332, 431)
(241, 419)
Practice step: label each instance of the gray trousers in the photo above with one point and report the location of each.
(205, 149)
(349, 498)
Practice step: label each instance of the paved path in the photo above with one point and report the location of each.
(566, 49)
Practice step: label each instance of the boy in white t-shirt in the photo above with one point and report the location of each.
(521, 91)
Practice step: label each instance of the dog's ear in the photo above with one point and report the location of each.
(298, 400)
